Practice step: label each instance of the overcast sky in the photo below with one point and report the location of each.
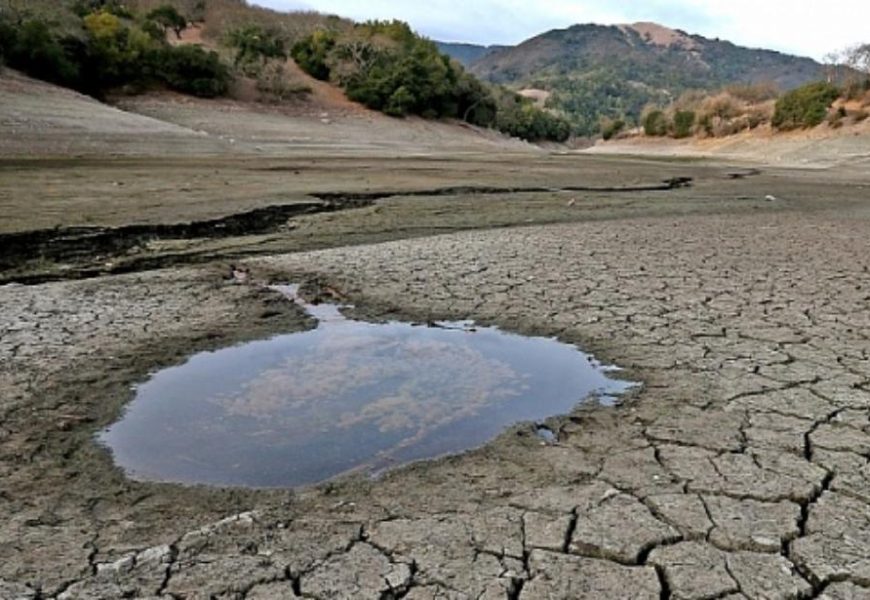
(805, 27)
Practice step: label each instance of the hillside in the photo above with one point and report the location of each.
(216, 16)
(39, 119)
(597, 71)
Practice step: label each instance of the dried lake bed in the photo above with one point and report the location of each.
(740, 469)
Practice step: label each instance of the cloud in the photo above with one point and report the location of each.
(795, 26)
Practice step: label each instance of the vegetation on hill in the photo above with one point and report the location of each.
(389, 68)
(108, 47)
(804, 107)
(739, 108)
(98, 46)
(600, 74)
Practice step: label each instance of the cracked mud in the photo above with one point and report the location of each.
(740, 470)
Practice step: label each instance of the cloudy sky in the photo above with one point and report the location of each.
(806, 27)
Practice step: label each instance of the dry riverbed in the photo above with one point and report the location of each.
(740, 470)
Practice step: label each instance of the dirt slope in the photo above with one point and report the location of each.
(38, 119)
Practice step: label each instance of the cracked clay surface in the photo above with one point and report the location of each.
(740, 470)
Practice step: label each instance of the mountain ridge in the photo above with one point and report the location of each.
(466, 53)
(595, 72)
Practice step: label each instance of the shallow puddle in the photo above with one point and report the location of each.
(349, 395)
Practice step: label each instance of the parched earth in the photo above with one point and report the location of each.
(740, 470)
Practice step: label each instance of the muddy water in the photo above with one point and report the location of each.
(347, 396)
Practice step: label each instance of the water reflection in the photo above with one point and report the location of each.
(348, 395)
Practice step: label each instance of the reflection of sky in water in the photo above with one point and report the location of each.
(305, 407)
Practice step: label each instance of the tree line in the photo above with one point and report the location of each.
(387, 67)
(383, 65)
(109, 48)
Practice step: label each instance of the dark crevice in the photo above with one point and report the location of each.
(173, 556)
(647, 549)
(743, 174)
(817, 585)
(672, 183)
(95, 245)
(516, 588)
(89, 249)
(664, 585)
(569, 533)
(805, 506)
(296, 584)
(733, 578)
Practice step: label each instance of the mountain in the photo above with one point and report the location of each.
(596, 71)
(467, 54)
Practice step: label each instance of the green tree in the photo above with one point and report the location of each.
(168, 18)
(36, 50)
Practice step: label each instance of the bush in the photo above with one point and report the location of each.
(759, 116)
(684, 122)
(612, 128)
(707, 125)
(860, 115)
(655, 123)
(114, 7)
(111, 52)
(255, 44)
(192, 70)
(311, 54)
(33, 48)
(519, 117)
(724, 106)
(804, 107)
(273, 84)
(753, 93)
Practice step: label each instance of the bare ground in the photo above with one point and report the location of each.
(740, 470)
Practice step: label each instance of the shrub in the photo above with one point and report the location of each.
(753, 93)
(684, 122)
(655, 123)
(706, 124)
(114, 7)
(805, 106)
(275, 87)
(110, 52)
(757, 118)
(255, 44)
(192, 70)
(34, 49)
(311, 54)
(612, 128)
(860, 115)
(724, 106)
